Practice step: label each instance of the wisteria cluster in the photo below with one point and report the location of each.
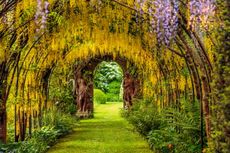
(41, 15)
(163, 18)
(139, 6)
(166, 20)
(200, 12)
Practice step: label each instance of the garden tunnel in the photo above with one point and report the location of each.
(74, 35)
(83, 73)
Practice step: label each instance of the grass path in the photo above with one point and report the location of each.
(107, 132)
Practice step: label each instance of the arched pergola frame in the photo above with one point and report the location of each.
(85, 69)
(29, 68)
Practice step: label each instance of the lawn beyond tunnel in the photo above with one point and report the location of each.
(107, 132)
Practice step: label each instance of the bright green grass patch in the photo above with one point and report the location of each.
(106, 133)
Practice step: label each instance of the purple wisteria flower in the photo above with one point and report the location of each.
(200, 12)
(41, 15)
(163, 18)
(166, 20)
(139, 6)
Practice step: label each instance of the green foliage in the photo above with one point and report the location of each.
(47, 134)
(40, 140)
(62, 122)
(32, 146)
(144, 119)
(220, 140)
(108, 78)
(55, 124)
(99, 96)
(114, 87)
(61, 94)
(38, 143)
(168, 130)
(113, 94)
(105, 73)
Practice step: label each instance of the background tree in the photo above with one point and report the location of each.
(105, 73)
(108, 78)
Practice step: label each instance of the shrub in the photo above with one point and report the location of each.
(47, 134)
(114, 87)
(159, 140)
(38, 143)
(180, 130)
(113, 94)
(168, 130)
(99, 96)
(63, 97)
(55, 124)
(62, 122)
(144, 120)
(112, 97)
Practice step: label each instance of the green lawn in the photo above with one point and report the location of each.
(107, 132)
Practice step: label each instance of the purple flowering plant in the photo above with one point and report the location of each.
(41, 15)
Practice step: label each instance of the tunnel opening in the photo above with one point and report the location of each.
(108, 82)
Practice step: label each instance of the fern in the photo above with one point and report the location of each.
(171, 127)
